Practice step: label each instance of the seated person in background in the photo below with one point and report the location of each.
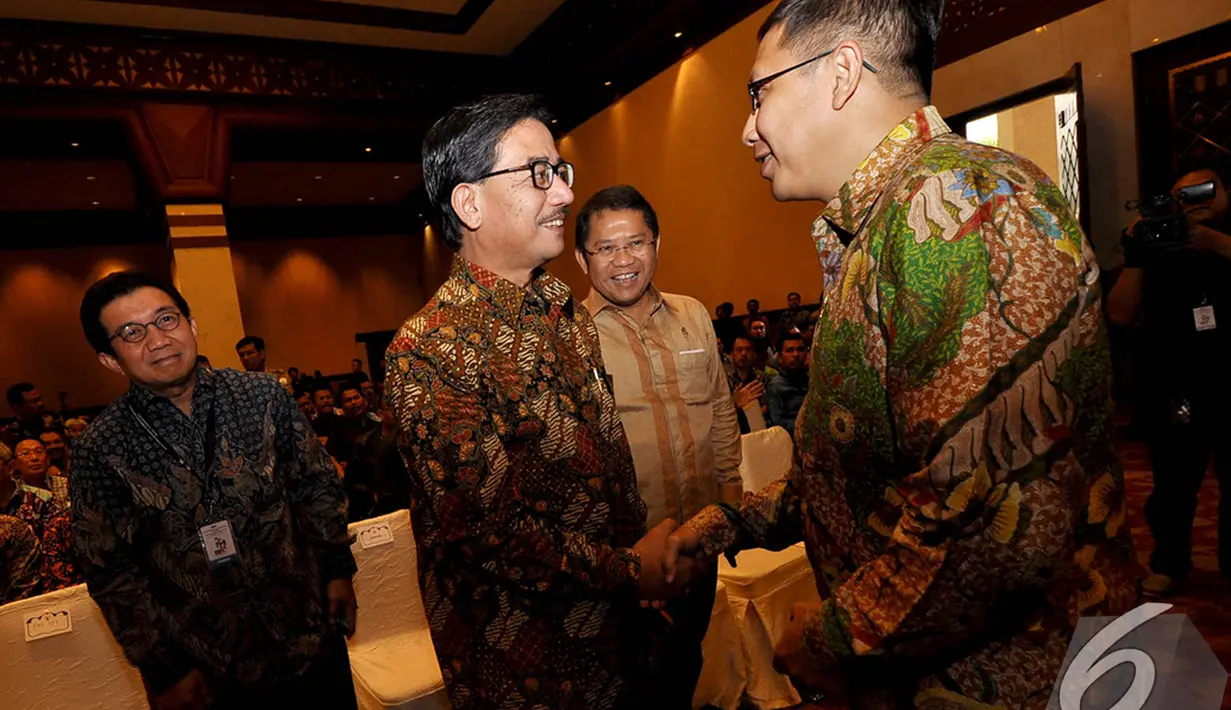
(74, 427)
(748, 382)
(326, 418)
(788, 388)
(356, 367)
(794, 317)
(20, 560)
(355, 443)
(32, 415)
(754, 312)
(30, 463)
(759, 334)
(251, 351)
(57, 453)
(304, 401)
(47, 518)
(372, 395)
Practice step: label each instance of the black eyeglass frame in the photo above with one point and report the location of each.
(145, 327)
(754, 87)
(553, 171)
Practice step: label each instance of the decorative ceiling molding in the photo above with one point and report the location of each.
(340, 12)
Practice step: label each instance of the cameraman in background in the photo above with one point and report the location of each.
(1177, 280)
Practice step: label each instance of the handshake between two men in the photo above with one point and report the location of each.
(668, 563)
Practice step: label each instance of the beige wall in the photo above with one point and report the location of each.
(1103, 38)
(309, 298)
(677, 139)
(1030, 130)
(40, 330)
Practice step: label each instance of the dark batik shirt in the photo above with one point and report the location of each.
(136, 520)
(19, 560)
(523, 494)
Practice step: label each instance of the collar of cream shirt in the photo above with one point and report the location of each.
(596, 303)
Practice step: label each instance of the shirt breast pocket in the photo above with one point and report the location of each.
(695, 380)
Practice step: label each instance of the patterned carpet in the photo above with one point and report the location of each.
(1207, 596)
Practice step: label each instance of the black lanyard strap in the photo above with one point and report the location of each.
(206, 475)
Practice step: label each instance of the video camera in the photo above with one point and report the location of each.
(1163, 225)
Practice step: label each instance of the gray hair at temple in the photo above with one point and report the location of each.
(464, 144)
(897, 36)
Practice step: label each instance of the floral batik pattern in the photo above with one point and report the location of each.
(955, 480)
(523, 495)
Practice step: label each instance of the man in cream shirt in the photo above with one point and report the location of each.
(671, 390)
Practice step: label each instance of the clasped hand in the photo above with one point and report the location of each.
(668, 563)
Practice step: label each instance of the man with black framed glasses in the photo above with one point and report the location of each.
(955, 481)
(209, 522)
(531, 533)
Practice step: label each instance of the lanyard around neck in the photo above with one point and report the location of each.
(206, 475)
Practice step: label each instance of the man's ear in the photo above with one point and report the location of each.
(848, 72)
(582, 261)
(110, 363)
(465, 201)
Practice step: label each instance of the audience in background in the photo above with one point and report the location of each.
(754, 311)
(31, 414)
(748, 382)
(20, 558)
(322, 401)
(251, 351)
(57, 452)
(31, 466)
(355, 444)
(356, 367)
(788, 388)
(74, 427)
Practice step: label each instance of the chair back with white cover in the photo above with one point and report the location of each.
(392, 657)
(56, 652)
(768, 457)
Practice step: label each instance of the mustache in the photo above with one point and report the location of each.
(561, 214)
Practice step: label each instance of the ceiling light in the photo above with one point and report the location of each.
(89, 177)
(95, 203)
(78, 144)
(397, 177)
(607, 83)
(554, 121)
(371, 199)
(679, 34)
(318, 177)
(299, 199)
(1155, 41)
(367, 150)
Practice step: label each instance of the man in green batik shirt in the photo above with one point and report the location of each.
(955, 481)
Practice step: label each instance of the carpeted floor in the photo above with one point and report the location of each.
(1206, 598)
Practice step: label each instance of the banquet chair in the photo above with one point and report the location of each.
(56, 652)
(767, 457)
(391, 654)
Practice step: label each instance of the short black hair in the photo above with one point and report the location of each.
(349, 387)
(897, 36)
(795, 294)
(790, 335)
(355, 359)
(289, 370)
(117, 285)
(256, 340)
(611, 199)
(742, 336)
(753, 300)
(16, 394)
(727, 307)
(464, 145)
(321, 387)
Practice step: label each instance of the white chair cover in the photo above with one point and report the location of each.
(762, 589)
(391, 653)
(767, 457)
(84, 668)
(723, 675)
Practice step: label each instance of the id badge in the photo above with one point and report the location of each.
(218, 541)
(1204, 318)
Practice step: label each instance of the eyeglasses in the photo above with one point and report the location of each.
(543, 171)
(636, 248)
(136, 332)
(755, 87)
